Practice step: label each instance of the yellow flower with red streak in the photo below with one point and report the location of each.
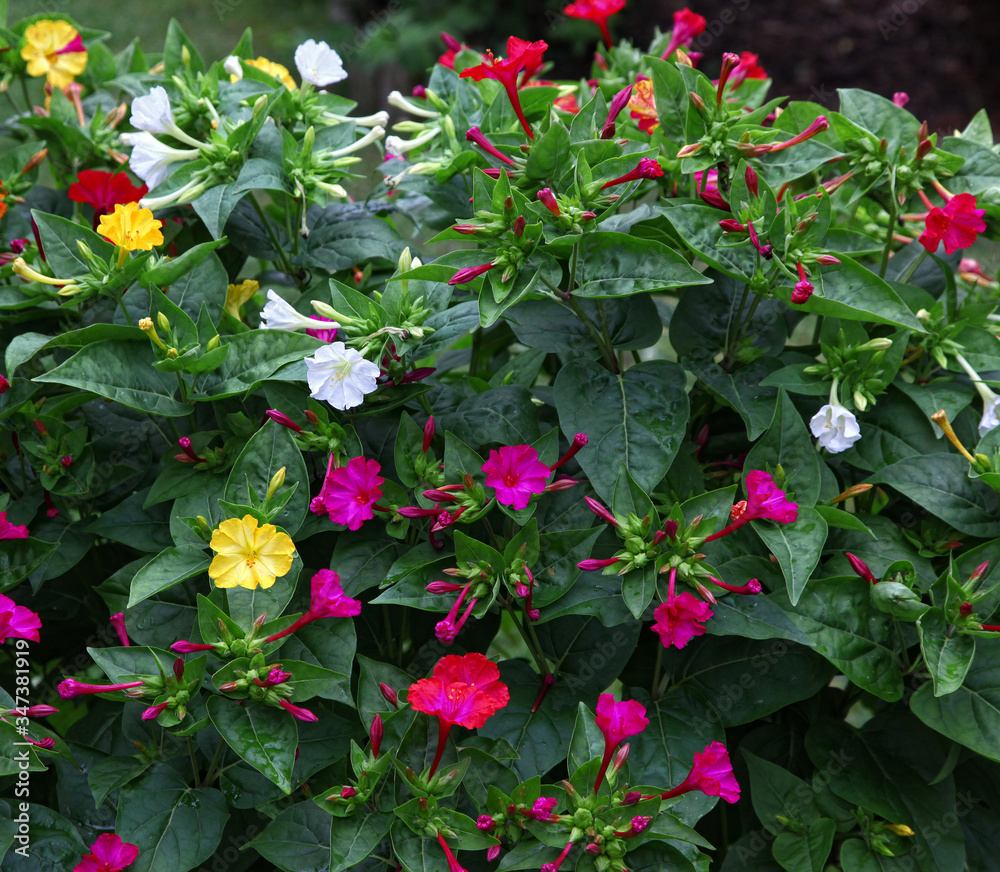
(247, 555)
(642, 106)
(54, 50)
(131, 227)
(279, 71)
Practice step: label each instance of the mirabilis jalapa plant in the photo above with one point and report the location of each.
(673, 480)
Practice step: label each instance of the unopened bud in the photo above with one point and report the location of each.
(689, 150)
(621, 755)
(696, 101)
(185, 56)
(860, 401)
(163, 321)
(34, 161)
(260, 104)
(213, 343)
(853, 491)
(277, 480)
(311, 416)
(405, 260)
(390, 695)
(979, 572)
(964, 610)
(751, 180)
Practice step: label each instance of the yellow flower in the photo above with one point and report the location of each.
(131, 227)
(248, 556)
(237, 295)
(54, 50)
(272, 69)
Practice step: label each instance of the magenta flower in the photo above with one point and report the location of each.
(183, 647)
(470, 273)
(647, 168)
(110, 854)
(765, 501)
(11, 531)
(617, 721)
(154, 711)
(17, 622)
(957, 224)
(326, 334)
(349, 492)
(542, 809)
(451, 626)
(687, 25)
(516, 473)
(297, 712)
(680, 619)
(328, 600)
(4, 384)
(118, 622)
(70, 687)
(803, 287)
(712, 774)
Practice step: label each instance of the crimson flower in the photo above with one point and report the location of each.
(542, 809)
(687, 25)
(957, 224)
(598, 11)
(521, 56)
(451, 626)
(11, 531)
(617, 721)
(4, 384)
(470, 273)
(747, 68)
(711, 773)
(328, 600)
(109, 854)
(349, 492)
(70, 687)
(765, 500)
(453, 47)
(861, 568)
(297, 712)
(118, 622)
(803, 287)
(647, 168)
(464, 690)
(516, 473)
(104, 191)
(707, 185)
(680, 619)
(17, 621)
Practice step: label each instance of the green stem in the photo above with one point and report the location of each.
(902, 644)
(818, 330)
(128, 318)
(657, 669)
(213, 767)
(194, 762)
(606, 332)
(609, 357)
(912, 268)
(285, 265)
(531, 642)
(738, 319)
(888, 236)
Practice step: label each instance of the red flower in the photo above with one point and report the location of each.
(328, 600)
(598, 11)
(747, 68)
(647, 168)
(349, 492)
(680, 619)
(110, 854)
(617, 721)
(712, 774)
(687, 25)
(956, 224)
(448, 58)
(4, 384)
(11, 531)
(803, 287)
(17, 621)
(516, 473)
(567, 104)
(464, 690)
(104, 191)
(765, 500)
(521, 55)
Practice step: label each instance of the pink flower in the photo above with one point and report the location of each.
(183, 647)
(747, 68)
(324, 333)
(542, 808)
(349, 492)
(598, 11)
(298, 712)
(17, 622)
(4, 384)
(803, 288)
(957, 224)
(687, 25)
(451, 626)
(118, 622)
(765, 500)
(453, 864)
(617, 721)
(70, 687)
(712, 774)
(154, 711)
(516, 473)
(680, 619)
(328, 600)
(110, 854)
(470, 273)
(647, 168)
(11, 531)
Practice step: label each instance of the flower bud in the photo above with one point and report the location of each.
(163, 321)
(751, 180)
(389, 694)
(277, 480)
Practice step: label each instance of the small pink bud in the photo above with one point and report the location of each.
(979, 571)
(348, 792)
(390, 695)
(284, 420)
(548, 200)
(600, 511)
(670, 528)
(311, 416)
(827, 260)
(375, 734)
(861, 568)
(179, 669)
(965, 609)
(118, 622)
(154, 711)
(592, 565)
(492, 852)
(429, 429)
(66, 459)
(751, 180)
(46, 744)
(183, 647)
(484, 822)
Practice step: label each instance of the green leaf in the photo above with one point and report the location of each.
(262, 735)
(502, 414)
(633, 322)
(788, 442)
(215, 206)
(121, 370)
(741, 388)
(879, 116)
(947, 653)
(697, 225)
(253, 357)
(753, 617)
(614, 265)
(269, 449)
(776, 791)
(166, 569)
(176, 827)
(169, 270)
(113, 772)
(54, 846)
(940, 484)
(971, 714)
(638, 418)
(808, 851)
(19, 558)
(797, 546)
(843, 625)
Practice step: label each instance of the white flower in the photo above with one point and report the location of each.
(991, 416)
(836, 428)
(151, 159)
(233, 66)
(318, 64)
(279, 315)
(152, 113)
(340, 375)
(395, 146)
